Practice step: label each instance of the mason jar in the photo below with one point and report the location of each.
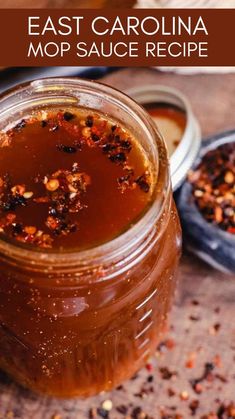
(74, 323)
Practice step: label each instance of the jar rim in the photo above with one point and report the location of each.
(120, 244)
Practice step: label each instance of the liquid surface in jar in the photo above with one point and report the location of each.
(70, 179)
(171, 122)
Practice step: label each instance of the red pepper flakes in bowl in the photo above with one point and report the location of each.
(206, 203)
(213, 185)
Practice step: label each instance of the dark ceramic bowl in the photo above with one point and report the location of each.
(207, 241)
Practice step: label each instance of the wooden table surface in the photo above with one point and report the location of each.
(202, 320)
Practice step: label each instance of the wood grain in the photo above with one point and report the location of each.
(192, 326)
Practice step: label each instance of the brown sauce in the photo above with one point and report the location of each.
(171, 122)
(70, 179)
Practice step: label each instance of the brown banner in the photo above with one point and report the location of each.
(117, 37)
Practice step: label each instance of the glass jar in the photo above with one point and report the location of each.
(77, 323)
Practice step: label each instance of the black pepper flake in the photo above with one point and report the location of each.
(122, 409)
(43, 123)
(126, 145)
(118, 158)
(113, 128)
(221, 378)
(123, 179)
(217, 326)
(20, 125)
(17, 229)
(95, 137)
(226, 411)
(166, 374)
(136, 412)
(67, 149)
(12, 202)
(108, 147)
(208, 368)
(193, 406)
(117, 138)
(195, 302)
(89, 121)
(194, 318)
(68, 116)
(52, 212)
(142, 183)
(103, 413)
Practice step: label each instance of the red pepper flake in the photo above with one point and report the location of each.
(6, 221)
(52, 185)
(31, 230)
(214, 329)
(149, 367)
(125, 182)
(225, 411)
(123, 409)
(190, 363)
(65, 189)
(5, 139)
(170, 344)
(30, 234)
(11, 196)
(217, 361)
(18, 190)
(93, 413)
(42, 200)
(198, 388)
(171, 392)
(195, 302)
(229, 410)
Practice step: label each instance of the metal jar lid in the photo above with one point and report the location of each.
(186, 152)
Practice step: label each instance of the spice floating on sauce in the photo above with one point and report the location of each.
(171, 122)
(79, 179)
(213, 185)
